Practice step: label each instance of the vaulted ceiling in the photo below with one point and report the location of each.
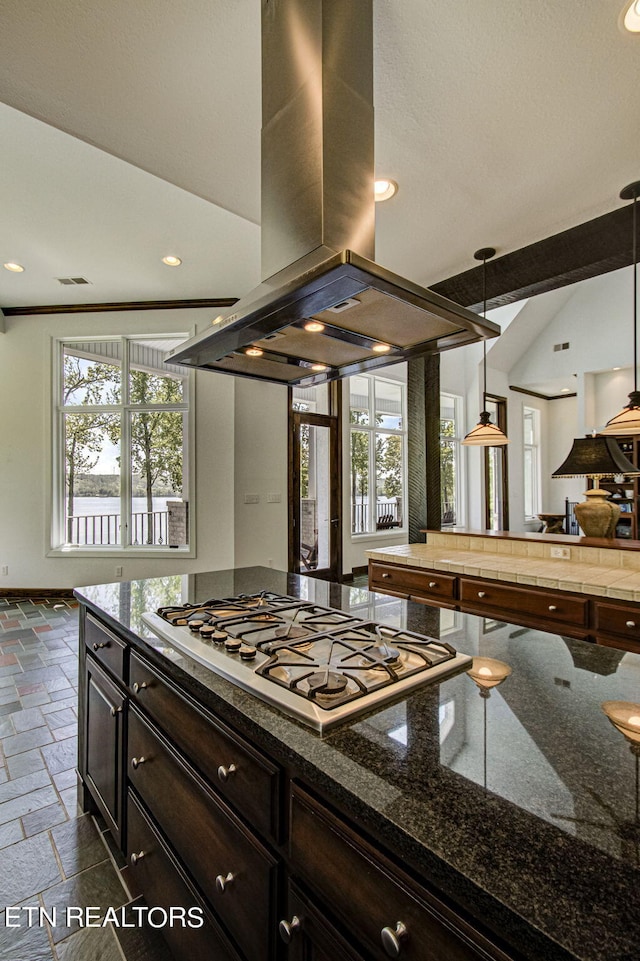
(132, 130)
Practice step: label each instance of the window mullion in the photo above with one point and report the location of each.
(125, 451)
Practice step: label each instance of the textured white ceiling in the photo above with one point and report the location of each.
(503, 121)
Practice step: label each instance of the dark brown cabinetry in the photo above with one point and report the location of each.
(612, 623)
(208, 821)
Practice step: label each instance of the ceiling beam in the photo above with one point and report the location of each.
(588, 250)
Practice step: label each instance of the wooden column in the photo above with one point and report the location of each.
(423, 445)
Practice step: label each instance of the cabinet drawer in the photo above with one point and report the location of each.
(552, 606)
(239, 773)
(154, 873)
(309, 935)
(418, 582)
(616, 619)
(375, 902)
(104, 645)
(233, 870)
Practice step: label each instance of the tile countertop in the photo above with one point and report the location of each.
(530, 829)
(603, 572)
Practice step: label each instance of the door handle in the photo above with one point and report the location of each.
(335, 520)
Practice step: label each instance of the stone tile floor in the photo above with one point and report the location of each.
(51, 854)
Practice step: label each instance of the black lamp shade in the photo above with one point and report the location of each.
(595, 456)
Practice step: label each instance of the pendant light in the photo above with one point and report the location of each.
(485, 434)
(627, 421)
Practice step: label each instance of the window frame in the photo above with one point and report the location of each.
(57, 545)
(372, 429)
(536, 473)
(459, 454)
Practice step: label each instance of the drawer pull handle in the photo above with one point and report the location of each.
(552, 607)
(288, 929)
(224, 773)
(100, 644)
(480, 594)
(631, 623)
(115, 711)
(222, 882)
(433, 583)
(386, 574)
(392, 939)
(136, 857)
(137, 761)
(139, 687)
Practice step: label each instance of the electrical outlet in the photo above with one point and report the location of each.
(561, 553)
(118, 572)
(252, 498)
(5, 570)
(273, 498)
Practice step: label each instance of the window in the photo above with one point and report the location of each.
(121, 442)
(378, 441)
(451, 485)
(531, 470)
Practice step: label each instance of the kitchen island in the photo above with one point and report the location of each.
(444, 825)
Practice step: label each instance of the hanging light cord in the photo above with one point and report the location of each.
(484, 314)
(635, 293)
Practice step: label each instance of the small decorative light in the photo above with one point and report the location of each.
(15, 268)
(381, 348)
(631, 17)
(171, 261)
(254, 352)
(314, 326)
(385, 189)
(564, 390)
(319, 367)
(625, 717)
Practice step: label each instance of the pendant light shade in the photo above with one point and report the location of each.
(627, 421)
(485, 434)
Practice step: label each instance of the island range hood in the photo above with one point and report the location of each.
(325, 310)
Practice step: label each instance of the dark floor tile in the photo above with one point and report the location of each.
(97, 944)
(10, 833)
(60, 718)
(70, 700)
(43, 819)
(143, 944)
(3, 775)
(25, 763)
(66, 779)
(31, 659)
(23, 785)
(28, 720)
(6, 727)
(28, 740)
(99, 886)
(11, 708)
(25, 943)
(28, 867)
(17, 634)
(8, 694)
(27, 803)
(33, 700)
(7, 682)
(60, 733)
(61, 755)
(71, 798)
(78, 844)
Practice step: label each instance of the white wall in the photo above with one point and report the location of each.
(558, 438)
(25, 477)
(261, 530)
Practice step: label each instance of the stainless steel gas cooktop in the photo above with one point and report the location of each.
(320, 665)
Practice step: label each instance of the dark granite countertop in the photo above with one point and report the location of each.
(521, 808)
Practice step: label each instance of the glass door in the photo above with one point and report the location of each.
(315, 528)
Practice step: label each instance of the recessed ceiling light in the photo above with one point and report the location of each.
(631, 17)
(616, 368)
(171, 261)
(314, 326)
(319, 367)
(564, 390)
(217, 320)
(385, 189)
(16, 268)
(381, 348)
(254, 352)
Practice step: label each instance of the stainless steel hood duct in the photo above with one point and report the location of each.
(318, 220)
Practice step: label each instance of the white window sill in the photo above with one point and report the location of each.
(130, 552)
(377, 535)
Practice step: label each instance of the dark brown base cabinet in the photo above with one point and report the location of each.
(608, 622)
(206, 820)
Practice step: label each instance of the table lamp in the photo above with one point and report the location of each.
(596, 457)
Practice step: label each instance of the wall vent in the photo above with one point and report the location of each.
(564, 346)
(73, 280)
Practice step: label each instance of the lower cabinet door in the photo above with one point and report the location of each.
(105, 708)
(308, 934)
(154, 873)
